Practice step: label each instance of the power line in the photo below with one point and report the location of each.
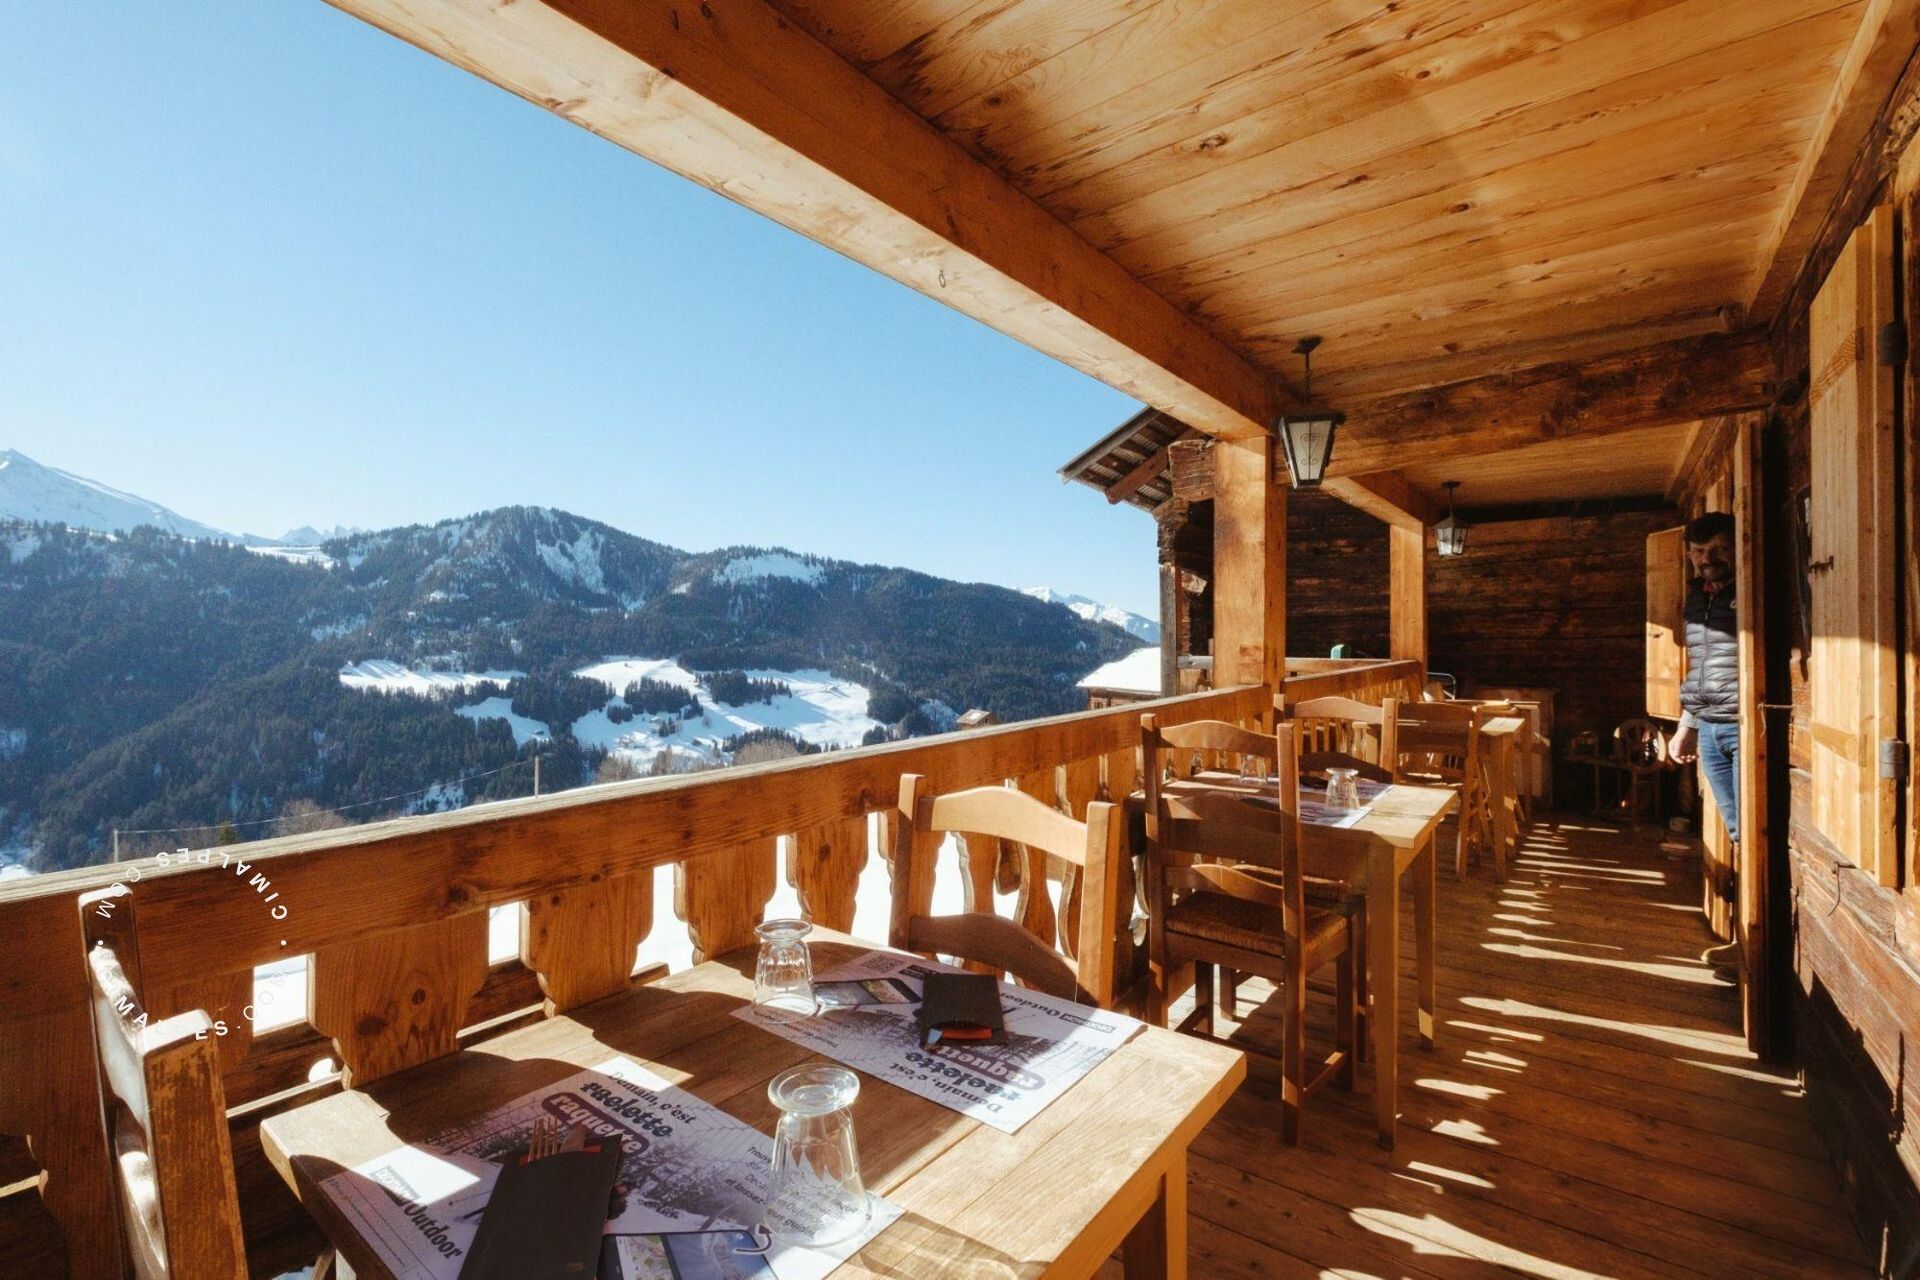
(359, 804)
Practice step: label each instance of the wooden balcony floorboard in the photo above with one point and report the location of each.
(1590, 1108)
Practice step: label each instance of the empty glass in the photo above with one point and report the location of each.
(817, 1197)
(1343, 789)
(783, 975)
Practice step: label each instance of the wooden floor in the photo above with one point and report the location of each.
(1590, 1108)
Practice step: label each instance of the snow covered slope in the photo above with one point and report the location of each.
(1093, 611)
(30, 491)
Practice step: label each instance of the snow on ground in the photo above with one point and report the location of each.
(20, 546)
(12, 742)
(524, 728)
(378, 675)
(1138, 671)
(296, 555)
(773, 564)
(822, 710)
(618, 673)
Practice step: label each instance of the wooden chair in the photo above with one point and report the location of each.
(166, 1114)
(1206, 909)
(1342, 733)
(992, 942)
(1439, 746)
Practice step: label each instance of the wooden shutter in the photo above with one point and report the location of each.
(1666, 633)
(1855, 650)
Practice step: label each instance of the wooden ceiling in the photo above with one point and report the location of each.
(1630, 464)
(1442, 188)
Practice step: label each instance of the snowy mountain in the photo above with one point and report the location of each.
(1134, 624)
(48, 495)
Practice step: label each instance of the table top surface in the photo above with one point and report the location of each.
(1402, 817)
(975, 1200)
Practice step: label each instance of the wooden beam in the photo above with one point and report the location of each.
(1143, 474)
(1653, 386)
(740, 100)
(1384, 495)
(1407, 600)
(1249, 565)
(1862, 94)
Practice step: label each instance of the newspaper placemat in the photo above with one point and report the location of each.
(1051, 1043)
(1314, 810)
(688, 1198)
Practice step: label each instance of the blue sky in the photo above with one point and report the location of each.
(271, 267)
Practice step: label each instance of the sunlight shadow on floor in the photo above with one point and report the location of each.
(1431, 1234)
(1691, 974)
(1731, 1046)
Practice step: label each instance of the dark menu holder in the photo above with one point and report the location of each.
(960, 1009)
(544, 1219)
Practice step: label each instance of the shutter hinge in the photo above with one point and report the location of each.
(1891, 346)
(1894, 759)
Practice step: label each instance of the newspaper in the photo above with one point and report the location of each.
(687, 1201)
(1051, 1043)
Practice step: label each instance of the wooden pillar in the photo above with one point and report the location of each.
(1407, 569)
(1249, 565)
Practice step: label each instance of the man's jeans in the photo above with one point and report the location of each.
(1720, 762)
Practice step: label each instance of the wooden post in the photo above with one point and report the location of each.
(1750, 872)
(1407, 569)
(1249, 566)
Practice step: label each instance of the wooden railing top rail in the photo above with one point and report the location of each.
(335, 886)
(1333, 677)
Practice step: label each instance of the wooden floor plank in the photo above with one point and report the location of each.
(1575, 1118)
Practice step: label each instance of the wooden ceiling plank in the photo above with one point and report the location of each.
(865, 32)
(1888, 34)
(974, 52)
(1672, 35)
(750, 105)
(1145, 471)
(1681, 261)
(1268, 54)
(1631, 464)
(1670, 383)
(1651, 111)
(1683, 463)
(1384, 495)
(1563, 207)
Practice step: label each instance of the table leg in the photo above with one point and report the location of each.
(1424, 937)
(1504, 832)
(1156, 1248)
(1383, 976)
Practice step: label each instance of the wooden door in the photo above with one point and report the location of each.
(1854, 663)
(1666, 632)
(1751, 883)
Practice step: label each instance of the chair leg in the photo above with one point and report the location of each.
(1362, 991)
(1230, 993)
(1156, 995)
(1343, 1016)
(1460, 844)
(1293, 1054)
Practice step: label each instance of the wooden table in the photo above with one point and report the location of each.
(1500, 739)
(1392, 839)
(1104, 1166)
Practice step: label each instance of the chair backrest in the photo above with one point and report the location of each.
(1199, 843)
(1342, 733)
(166, 1113)
(1440, 740)
(925, 820)
(1211, 737)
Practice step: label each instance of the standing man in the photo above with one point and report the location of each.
(1710, 695)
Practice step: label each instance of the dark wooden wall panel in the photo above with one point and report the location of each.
(1336, 578)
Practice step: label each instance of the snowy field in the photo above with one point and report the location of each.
(821, 709)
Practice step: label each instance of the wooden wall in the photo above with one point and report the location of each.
(1336, 578)
(1854, 968)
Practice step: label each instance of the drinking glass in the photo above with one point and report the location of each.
(783, 975)
(1343, 789)
(816, 1197)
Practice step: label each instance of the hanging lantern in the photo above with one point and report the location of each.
(1306, 437)
(1450, 535)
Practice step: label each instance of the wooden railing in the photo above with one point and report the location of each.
(394, 918)
(1361, 680)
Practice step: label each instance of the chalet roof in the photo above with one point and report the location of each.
(1138, 672)
(1132, 454)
